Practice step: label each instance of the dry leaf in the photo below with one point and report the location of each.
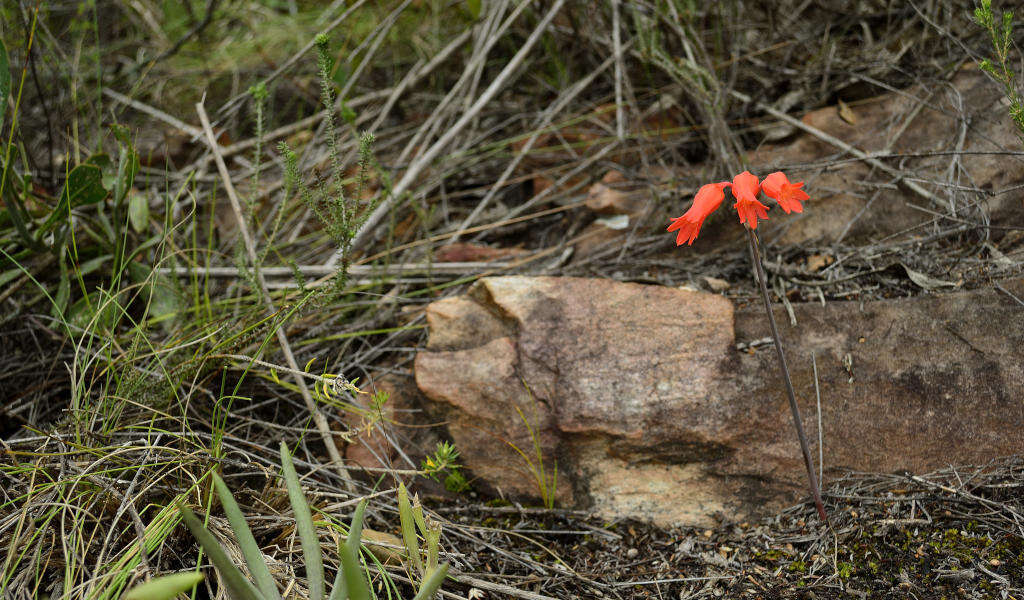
(816, 262)
(926, 281)
(846, 113)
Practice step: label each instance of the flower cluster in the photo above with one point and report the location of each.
(745, 188)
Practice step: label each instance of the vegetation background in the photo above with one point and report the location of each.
(221, 220)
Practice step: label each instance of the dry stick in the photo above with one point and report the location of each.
(755, 257)
(447, 268)
(318, 418)
(620, 131)
(440, 112)
(154, 112)
(821, 434)
(413, 172)
(542, 124)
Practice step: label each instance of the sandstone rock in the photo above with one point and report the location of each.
(640, 395)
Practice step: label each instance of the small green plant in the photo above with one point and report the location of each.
(1000, 31)
(445, 461)
(547, 484)
(350, 581)
(338, 212)
(411, 516)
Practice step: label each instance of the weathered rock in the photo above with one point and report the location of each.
(640, 396)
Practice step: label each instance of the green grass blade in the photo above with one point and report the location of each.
(304, 524)
(432, 583)
(408, 521)
(250, 550)
(339, 591)
(351, 581)
(355, 578)
(355, 530)
(164, 588)
(238, 587)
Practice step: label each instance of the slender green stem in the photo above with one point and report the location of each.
(755, 257)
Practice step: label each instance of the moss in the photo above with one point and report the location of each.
(798, 566)
(844, 570)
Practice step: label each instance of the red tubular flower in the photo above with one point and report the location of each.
(709, 197)
(745, 189)
(788, 195)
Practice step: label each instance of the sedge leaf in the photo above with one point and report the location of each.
(250, 550)
(164, 588)
(238, 587)
(304, 524)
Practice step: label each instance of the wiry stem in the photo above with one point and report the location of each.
(755, 257)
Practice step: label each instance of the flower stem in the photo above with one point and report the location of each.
(755, 257)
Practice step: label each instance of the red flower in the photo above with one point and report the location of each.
(745, 189)
(788, 195)
(707, 201)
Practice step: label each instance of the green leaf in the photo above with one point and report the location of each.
(8, 276)
(304, 524)
(474, 8)
(5, 81)
(91, 265)
(99, 159)
(95, 312)
(60, 301)
(347, 114)
(164, 588)
(238, 587)
(138, 212)
(408, 522)
(127, 167)
(432, 583)
(355, 579)
(84, 186)
(351, 579)
(355, 530)
(250, 550)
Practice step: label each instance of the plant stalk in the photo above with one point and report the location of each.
(755, 257)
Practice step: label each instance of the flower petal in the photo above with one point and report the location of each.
(709, 197)
(773, 183)
(688, 230)
(788, 195)
(745, 186)
(750, 211)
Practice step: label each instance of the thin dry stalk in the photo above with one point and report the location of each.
(318, 418)
(755, 257)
